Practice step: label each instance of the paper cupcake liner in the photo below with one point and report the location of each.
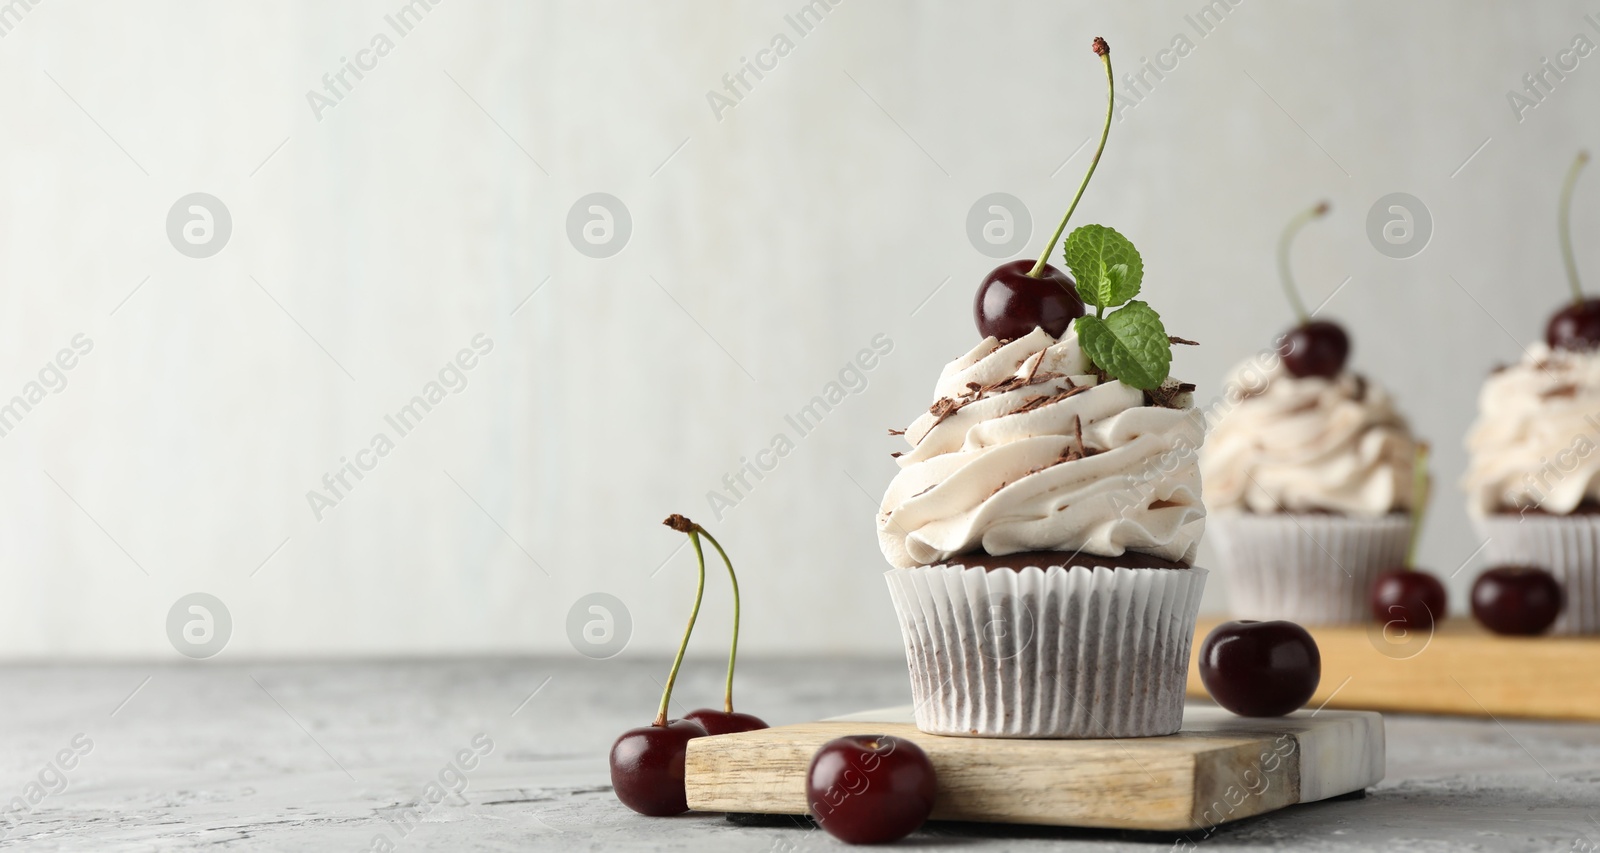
(1313, 569)
(1566, 546)
(1047, 653)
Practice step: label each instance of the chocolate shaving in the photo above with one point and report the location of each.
(944, 407)
(1068, 454)
(897, 432)
(1041, 400)
(1174, 339)
(1567, 390)
(897, 454)
(1166, 396)
(1012, 383)
(1035, 369)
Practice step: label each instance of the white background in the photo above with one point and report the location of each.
(767, 248)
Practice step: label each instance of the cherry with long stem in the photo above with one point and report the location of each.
(1314, 347)
(1577, 326)
(1102, 50)
(727, 720)
(1021, 295)
(647, 763)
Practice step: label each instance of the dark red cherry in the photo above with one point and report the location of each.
(1260, 669)
(1408, 598)
(1315, 348)
(870, 789)
(1012, 303)
(1575, 327)
(1517, 600)
(647, 767)
(724, 722)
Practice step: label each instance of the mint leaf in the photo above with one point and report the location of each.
(1108, 268)
(1130, 344)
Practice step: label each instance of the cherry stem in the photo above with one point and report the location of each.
(1101, 48)
(733, 649)
(677, 663)
(1564, 222)
(1419, 502)
(1317, 211)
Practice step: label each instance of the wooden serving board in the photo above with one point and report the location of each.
(1459, 669)
(1219, 768)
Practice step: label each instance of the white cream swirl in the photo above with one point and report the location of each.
(998, 463)
(1538, 428)
(1282, 443)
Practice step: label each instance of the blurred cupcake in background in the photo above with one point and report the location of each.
(1309, 473)
(1533, 480)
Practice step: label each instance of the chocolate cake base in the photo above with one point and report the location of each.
(1065, 559)
(1585, 508)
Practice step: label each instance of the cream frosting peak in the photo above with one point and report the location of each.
(1025, 449)
(1311, 444)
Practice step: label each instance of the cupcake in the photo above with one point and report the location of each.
(1044, 520)
(1309, 486)
(1533, 476)
(1042, 527)
(1309, 476)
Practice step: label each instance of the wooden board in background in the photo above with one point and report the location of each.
(1219, 768)
(1459, 669)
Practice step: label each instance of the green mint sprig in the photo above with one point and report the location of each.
(1130, 344)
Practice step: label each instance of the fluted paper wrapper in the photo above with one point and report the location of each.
(1566, 546)
(1047, 653)
(1314, 569)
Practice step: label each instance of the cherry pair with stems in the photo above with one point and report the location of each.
(647, 763)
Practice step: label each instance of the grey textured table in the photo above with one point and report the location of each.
(339, 756)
